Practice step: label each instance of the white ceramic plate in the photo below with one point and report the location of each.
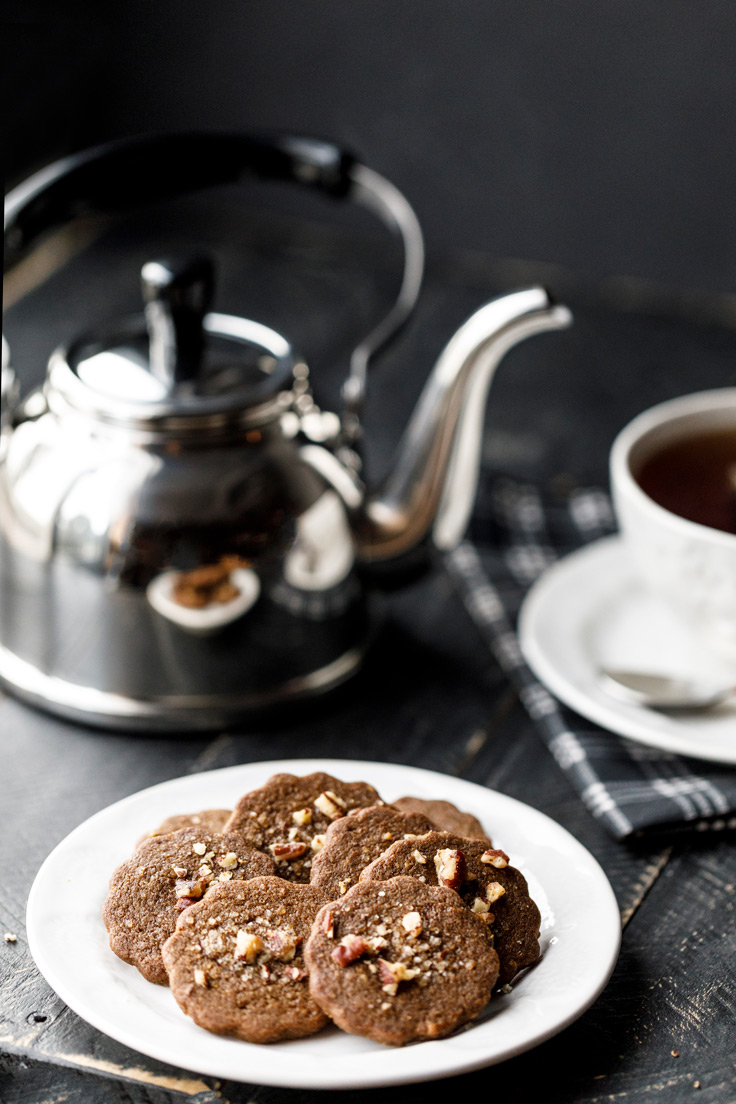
(588, 611)
(580, 939)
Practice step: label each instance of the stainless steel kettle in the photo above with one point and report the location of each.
(184, 535)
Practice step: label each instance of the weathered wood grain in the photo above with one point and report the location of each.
(25, 1082)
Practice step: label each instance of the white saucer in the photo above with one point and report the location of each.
(580, 937)
(589, 610)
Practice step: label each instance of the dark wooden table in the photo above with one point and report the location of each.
(429, 694)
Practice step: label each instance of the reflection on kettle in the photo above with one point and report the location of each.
(318, 578)
(322, 553)
(186, 440)
(215, 610)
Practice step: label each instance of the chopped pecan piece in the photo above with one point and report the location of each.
(376, 944)
(282, 943)
(248, 947)
(494, 890)
(302, 817)
(350, 949)
(392, 973)
(412, 923)
(330, 805)
(450, 867)
(193, 889)
(227, 861)
(288, 851)
(328, 925)
(184, 902)
(496, 858)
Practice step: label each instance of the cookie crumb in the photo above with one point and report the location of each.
(696, 1084)
(675, 1053)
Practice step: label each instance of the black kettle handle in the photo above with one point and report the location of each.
(120, 175)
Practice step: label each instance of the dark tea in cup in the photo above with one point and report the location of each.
(672, 476)
(694, 477)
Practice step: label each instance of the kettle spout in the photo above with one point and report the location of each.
(428, 496)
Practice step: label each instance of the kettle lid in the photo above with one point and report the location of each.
(179, 365)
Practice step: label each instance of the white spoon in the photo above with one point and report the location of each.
(668, 693)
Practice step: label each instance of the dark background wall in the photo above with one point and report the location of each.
(597, 136)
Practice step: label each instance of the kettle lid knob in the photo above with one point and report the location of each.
(182, 367)
(177, 293)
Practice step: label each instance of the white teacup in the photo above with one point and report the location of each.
(691, 566)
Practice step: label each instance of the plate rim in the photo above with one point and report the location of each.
(620, 718)
(397, 1070)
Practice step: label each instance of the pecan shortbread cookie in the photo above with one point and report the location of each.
(236, 962)
(289, 817)
(209, 820)
(445, 816)
(166, 875)
(398, 961)
(354, 841)
(493, 889)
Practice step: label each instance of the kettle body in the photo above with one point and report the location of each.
(185, 537)
(96, 523)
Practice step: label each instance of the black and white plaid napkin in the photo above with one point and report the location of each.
(517, 533)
